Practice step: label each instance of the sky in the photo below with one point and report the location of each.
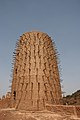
(60, 19)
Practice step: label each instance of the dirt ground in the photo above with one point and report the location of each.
(11, 114)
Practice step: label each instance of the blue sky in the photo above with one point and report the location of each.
(60, 19)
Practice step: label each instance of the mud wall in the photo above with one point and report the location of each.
(64, 109)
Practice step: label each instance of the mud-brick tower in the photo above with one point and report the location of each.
(36, 80)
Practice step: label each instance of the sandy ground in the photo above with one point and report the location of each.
(12, 114)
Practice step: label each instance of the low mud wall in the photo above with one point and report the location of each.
(5, 103)
(64, 109)
(59, 109)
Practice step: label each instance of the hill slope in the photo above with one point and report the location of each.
(73, 99)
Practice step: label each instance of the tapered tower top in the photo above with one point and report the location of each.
(36, 80)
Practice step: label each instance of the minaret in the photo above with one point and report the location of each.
(36, 80)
